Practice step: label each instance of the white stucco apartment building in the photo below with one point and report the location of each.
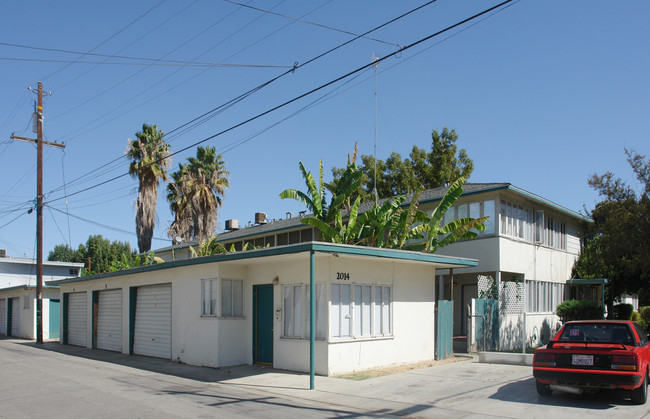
(373, 307)
(529, 240)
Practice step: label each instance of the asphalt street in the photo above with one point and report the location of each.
(60, 381)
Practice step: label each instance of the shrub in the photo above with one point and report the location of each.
(644, 317)
(621, 312)
(579, 310)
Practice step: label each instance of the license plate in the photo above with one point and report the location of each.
(583, 360)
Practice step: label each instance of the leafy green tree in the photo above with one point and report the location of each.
(149, 155)
(398, 176)
(62, 253)
(196, 194)
(97, 254)
(617, 242)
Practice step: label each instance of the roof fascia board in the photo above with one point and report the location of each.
(286, 250)
(549, 203)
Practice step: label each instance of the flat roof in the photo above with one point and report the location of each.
(441, 261)
(27, 287)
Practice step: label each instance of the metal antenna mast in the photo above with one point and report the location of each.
(374, 190)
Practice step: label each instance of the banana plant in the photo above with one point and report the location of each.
(438, 235)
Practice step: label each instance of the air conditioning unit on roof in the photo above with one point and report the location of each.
(232, 225)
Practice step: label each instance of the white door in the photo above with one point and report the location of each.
(77, 319)
(3, 316)
(109, 320)
(15, 316)
(153, 321)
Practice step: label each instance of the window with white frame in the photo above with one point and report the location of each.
(473, 210)
(531, 225)
(296, 320)
(209, 297)
(360, 310)
(232, 298)
(543, 297)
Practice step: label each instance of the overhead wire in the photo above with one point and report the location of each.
(122, 57)
(109, 38)
(119, 230)
(296, 98)
(309, 23)
(147, 64)
(134, 41)
(139, 94)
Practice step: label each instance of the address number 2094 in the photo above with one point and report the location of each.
(343, 276)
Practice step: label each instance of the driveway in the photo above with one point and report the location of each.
(64, 381)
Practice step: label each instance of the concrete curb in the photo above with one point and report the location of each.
(505, 358)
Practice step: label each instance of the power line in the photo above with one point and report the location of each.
(95, 125)
(296, 98)
(123, 57)
(108, 39)
(119, 230)
(239, 98)
(147, 64)
(310, 23)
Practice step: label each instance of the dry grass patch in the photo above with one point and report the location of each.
(379, 372)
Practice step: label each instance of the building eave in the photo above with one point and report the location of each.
(307, 247)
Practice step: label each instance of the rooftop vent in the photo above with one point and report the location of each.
(289, 215)
(302, 213)
(260, 218)
(232, 225)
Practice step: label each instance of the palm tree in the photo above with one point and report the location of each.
(196, 194)
(149, 155)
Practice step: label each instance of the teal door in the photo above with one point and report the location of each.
(55, 319)
(444, 329)
(263, 324)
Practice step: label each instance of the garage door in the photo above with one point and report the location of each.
(109, 320)
(3, 316)
(15, 316)
(153, 318)
(77, 318)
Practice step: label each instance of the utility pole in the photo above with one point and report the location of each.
(39, 208)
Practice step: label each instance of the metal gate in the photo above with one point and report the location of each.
(3, 316)
(444, 329)
(485, 324)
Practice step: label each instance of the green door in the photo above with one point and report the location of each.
(55, 319)
(263, 324)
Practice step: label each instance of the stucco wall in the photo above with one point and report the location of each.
(27, 316)
(220, 342)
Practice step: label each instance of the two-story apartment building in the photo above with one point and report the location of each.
(528, 239)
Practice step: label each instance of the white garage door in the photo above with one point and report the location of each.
(109, 320)
(3, 316)
(153, 321)
(15, 316)
(77, 315)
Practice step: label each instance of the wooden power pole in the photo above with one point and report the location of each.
(39, 208)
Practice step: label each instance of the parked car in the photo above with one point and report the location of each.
(593, 355)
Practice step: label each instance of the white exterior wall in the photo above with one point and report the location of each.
(220, 342)
(413, 326)
(535, 262)
(20, 271)
(27, 317)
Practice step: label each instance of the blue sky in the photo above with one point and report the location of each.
(541, 94)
